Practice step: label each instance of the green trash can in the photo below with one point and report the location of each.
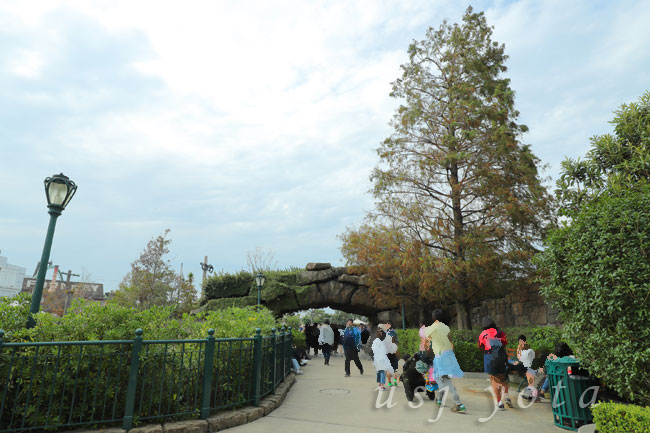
(572, 392)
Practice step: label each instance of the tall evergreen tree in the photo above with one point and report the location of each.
(453, 175)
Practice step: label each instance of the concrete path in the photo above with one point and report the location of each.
(322, 400)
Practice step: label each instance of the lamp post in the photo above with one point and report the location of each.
(59, 190)
(259, 280)
(206, 268)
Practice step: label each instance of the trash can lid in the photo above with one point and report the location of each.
(566, 360)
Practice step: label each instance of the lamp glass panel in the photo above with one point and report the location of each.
(67, 200)
(259, 279)
(57, 192)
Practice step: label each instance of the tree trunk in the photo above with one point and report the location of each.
(462, 306)
(463, 319)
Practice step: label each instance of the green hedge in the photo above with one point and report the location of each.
(176, 382)
(299, 339)
(621, 418)
(278, 294)
(92, 321)
(542, 340)
(228, 285)
(598, 270)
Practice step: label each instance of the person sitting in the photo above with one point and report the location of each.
(296, 361)
(561, 350)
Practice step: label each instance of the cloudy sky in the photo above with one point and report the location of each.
(247, 124)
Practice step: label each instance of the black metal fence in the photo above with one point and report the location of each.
(54, 385)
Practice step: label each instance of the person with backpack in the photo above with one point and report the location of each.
(351, 347)
(493, 342)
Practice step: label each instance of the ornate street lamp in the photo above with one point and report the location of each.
(205, 267)
(59, 190)
(259, 280)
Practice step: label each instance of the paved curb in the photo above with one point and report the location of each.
(216, 423)
(234, 418)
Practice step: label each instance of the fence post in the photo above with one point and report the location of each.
(127, 422)
(275, 364)
(257, 366)
(2, 336)
(283, 334)
(290, 344)
(207, 375)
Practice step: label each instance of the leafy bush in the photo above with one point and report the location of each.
(226, 285)
(621, 418)
(409, 341)
(170, 374)
(299, 339)
(14, 312)
(542, 340)
(598, 269)
(92, 321)
(242, 284)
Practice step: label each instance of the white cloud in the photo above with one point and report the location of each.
(240, 124)
(27, 64)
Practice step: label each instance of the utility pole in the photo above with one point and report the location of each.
(68, 290)
(180, 285)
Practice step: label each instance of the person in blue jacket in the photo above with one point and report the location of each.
(351, 347)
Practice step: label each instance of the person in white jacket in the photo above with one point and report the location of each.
(326, 340)
(391, 348)
(527, 356)
(380, 358)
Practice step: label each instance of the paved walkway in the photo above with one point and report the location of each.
(322, 400)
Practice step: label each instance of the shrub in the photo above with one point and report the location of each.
(598, 269)
(621, 418)
(299, 339)
(409, 341)
(170, 373)
(228, 285)
(93, 321)
(242, 285)
(14, 312)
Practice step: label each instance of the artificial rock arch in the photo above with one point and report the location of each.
(319, 285)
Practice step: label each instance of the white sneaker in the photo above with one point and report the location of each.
(298, 371)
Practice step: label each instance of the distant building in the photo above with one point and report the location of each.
(90, 291)
(11, 278)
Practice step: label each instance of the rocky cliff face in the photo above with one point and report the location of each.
(322, 285)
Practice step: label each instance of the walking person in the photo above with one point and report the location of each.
(365, 334)
(445, 365)
(495, 360)
(351, 347)
(392, 355)
(326, 340)
(380, 360)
